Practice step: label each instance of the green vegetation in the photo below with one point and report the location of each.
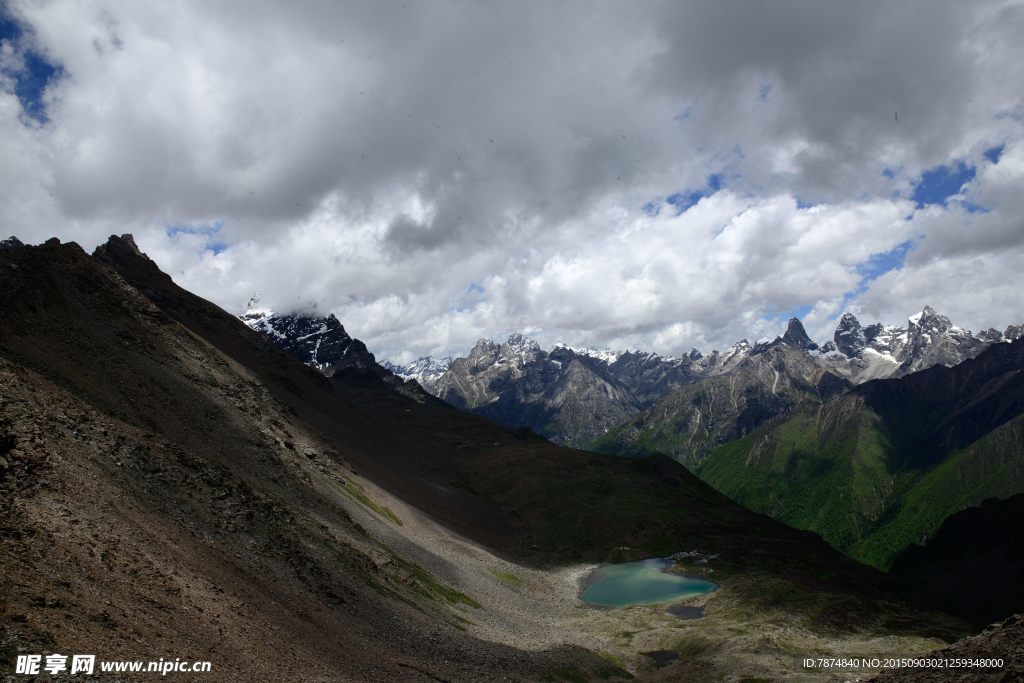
(567, 673)
(509, 579)
(838, 473)
(691, 645)
(356, 491)
(428, 587)
(990, 467)
(621, 441)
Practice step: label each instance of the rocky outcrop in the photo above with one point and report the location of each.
(796, 336)
(320, 342)
(10, 243)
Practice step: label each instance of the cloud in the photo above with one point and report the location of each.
(377, 159)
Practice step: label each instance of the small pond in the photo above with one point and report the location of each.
(640, 583)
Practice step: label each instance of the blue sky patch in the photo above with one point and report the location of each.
(36, 73)
(942, 182)
(197, 229)
(9, 28)
(994, 153)
(883, 262)
(802, 203)
(876, 266)
(681, 201)
(208, 230)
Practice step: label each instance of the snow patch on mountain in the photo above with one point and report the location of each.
(604, 355)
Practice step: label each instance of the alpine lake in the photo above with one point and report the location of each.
(640, 583)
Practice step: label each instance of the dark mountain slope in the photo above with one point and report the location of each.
(469, 473)
(159, 500)
(974, 563)
(941, 409)
(1003, 641)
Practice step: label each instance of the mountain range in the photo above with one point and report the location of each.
(177, 483)
(636, 401)
(881, 466)
(210, 495)
(784, 427)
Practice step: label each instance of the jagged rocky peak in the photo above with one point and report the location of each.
(518, 342)
(115, 244)
(485, 345)
(796, 336)
(254, 312)
(520, 349)
(930, 321)
(485, 350)
(1013, 332)
(849, 338)
(430, 364)
(990, 335)
(320, 342)
(694, 354)
(11, 242)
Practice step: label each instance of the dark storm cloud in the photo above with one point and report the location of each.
(380, 157)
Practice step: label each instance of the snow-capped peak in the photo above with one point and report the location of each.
(520, 348)
(254, 312)
(605, 355)
(424, 369)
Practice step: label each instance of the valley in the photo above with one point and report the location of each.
(460, 342)
(201, 486)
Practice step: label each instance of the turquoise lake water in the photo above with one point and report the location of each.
(640, 583)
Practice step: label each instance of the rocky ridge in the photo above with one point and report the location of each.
(574, 395)
(425, 370)
(319, 342)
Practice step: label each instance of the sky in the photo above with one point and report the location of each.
(654, 175)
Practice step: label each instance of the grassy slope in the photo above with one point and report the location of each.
(843, 484)
(989, 468)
